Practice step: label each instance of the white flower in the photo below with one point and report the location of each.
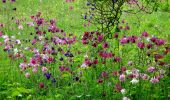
(83, 65)
(40, 37)
(148, 39)
(134, 81)
(15, 50)
(4, 36)
(86, 56)
(13, 37)
(162, 71)
(123, 91)
(128, 72)
(125, 98)
(18, 41)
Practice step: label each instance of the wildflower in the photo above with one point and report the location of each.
(132, 39)
(41, 85)
(153, 39)
(61, 59)
(50, 59)
(149, 45)
(160, 42)
(145, 34)
(99, 80)
(124, 40)
(83, 65)
(4, 1)
(105, 45)
(134, 81)
(33, 62)
(130, 63)
(118, 87)
(35, 70)
(104, 74)
(123, 69)
(115, 73)
(122, 78)
(15, 50)
(20, 27)
(161, 63)
(144, 76)
(100, 37)
(117, 59)
(18, 41)
(12, 1)
(125, 98)
(127, 28)
(154, 80)
(141, 45)
(48, 76)
(27, 75)
(44, 69)
(151, 69)
(123, 91)
(95, 61)
(162, 71)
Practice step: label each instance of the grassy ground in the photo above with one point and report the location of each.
(69, 20)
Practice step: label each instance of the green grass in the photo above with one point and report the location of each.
(156, 23)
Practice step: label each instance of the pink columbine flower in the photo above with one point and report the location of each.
(27, 75)
(151, 69)
(144, 76)
(100, 38)
(154, 80)
(130, 63)
(149, 45)
(141, 45)
(145, 34)
(122, 78)
(125, 98)
(20, 27)
(104, 74)
(124, 40)
(105, 45)
(117, 59)
(44, 69)
(35, 70)
(160, 42)
(33, 62)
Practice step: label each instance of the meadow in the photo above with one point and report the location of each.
(50, 51)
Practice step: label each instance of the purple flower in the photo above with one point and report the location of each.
(4, 1)
(151, 69)
(122, 78)
(124, 40)
(145, 34)
(154, 80)
(105, 45)
(104, 74)
(12, 1)
(141, 45)
(48, 76)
